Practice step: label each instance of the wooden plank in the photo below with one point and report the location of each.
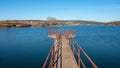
(68, 60)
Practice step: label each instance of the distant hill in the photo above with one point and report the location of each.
(43, 23)
(28, 23)
(79, 22)
(115, 23)
(20, 23)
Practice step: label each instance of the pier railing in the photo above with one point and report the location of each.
(52, 32)
(54, 54)
(76, 49)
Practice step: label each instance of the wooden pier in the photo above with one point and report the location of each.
(63, 50)
(68, 60)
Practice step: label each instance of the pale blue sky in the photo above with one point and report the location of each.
(93, 10)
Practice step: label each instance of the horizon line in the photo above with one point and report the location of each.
(60, 19)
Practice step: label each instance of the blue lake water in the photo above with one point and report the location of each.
(28, 47)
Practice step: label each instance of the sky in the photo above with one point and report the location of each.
(91, 10)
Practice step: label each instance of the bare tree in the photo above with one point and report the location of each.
(51, 21)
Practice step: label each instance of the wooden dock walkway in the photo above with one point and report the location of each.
(68, 60)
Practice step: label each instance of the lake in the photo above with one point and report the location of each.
(28, 47)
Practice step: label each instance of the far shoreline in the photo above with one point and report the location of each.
(54, 26)
(53, 22)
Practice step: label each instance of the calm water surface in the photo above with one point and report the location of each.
(28, 47)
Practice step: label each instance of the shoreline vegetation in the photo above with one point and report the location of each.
(50, 22)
